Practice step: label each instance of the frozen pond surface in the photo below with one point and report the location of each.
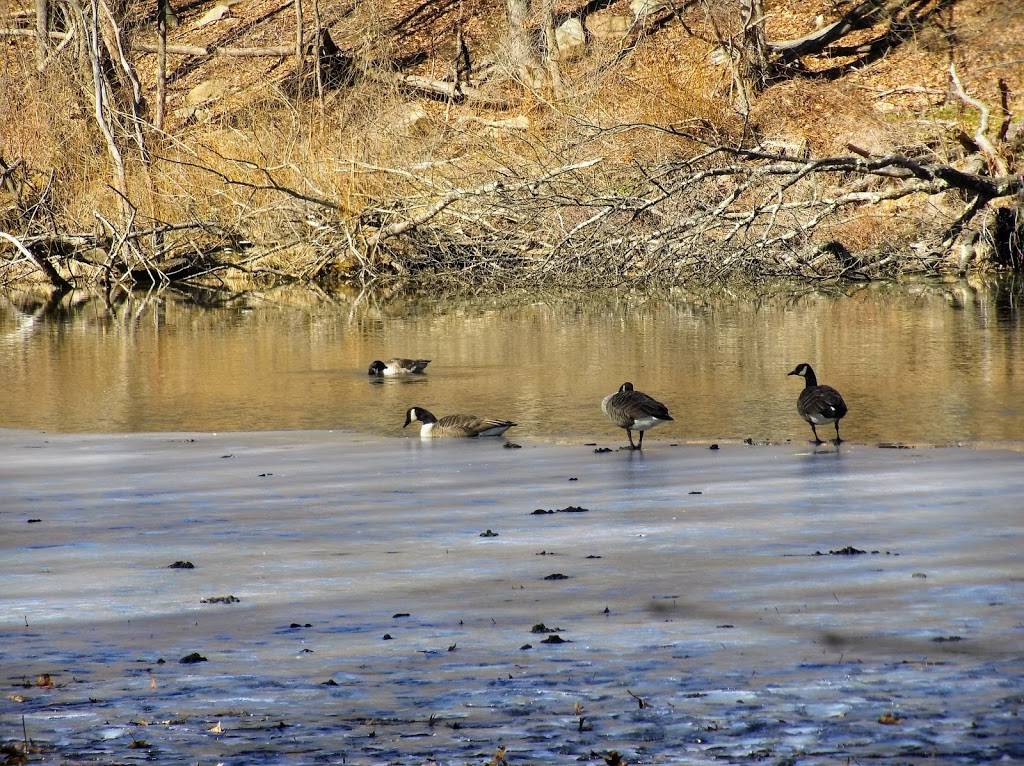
(712, 608)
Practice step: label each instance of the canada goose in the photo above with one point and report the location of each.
(634, 411)
(818, 405)
(455, 425)
(398, 367)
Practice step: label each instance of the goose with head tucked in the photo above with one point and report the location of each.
(398, 367)
(634, 411)
(818, 405)
(455, 425)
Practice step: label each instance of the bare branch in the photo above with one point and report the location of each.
(401, 227)
(100, 90)
(981, 134)
(42, 32)
(163, 10)
(198, 50)
(299, 47)
(44, 265)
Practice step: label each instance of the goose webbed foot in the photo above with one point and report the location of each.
(629, 435)
(817, 440)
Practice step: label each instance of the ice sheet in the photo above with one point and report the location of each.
(743, 644)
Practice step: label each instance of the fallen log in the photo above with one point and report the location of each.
(199, 50)
(863, 15)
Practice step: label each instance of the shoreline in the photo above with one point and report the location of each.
(601, 440)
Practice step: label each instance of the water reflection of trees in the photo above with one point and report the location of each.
(293, 358)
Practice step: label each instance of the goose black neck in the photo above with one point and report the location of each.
(810, 379)
(425, 416)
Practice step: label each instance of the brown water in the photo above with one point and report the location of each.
(933, 362)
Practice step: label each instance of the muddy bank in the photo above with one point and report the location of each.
(345, 602)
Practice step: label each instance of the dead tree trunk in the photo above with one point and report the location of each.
(117, 51)
(41, 261)
(753, 61)
(42, 31)
(861, 16)
(100, 98)
(462, 64)
(522, 49)
(299, 58)
(551, 57)
(318, 37)
(163, 9)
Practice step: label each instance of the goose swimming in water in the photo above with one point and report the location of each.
(398, 367)
(634, 411)
(455, 425)
(818, 405)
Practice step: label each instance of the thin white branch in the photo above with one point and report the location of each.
(981, 134)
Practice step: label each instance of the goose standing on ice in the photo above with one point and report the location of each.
(455, 425)
(818, 405)
(634, 411)
(398, 367)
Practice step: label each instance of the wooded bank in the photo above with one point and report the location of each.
(490, 159)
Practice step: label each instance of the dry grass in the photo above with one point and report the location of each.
(328, 147)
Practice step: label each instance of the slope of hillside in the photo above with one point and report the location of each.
(360, 167)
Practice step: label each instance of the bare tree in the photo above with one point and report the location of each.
(299, 43)
(163, 14)
(742, 52)
(42, 31)
(551, 53)
(522, 46)
(462, 64)
(753, 58)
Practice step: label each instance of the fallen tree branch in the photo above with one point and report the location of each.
(272, 185)
(724, 210)
(444, 89)
(68, 39)
(199, 50)
(401, 227)
(861, 16)
(42, 263)
(18, 32)
(981, 138)
(892, 22)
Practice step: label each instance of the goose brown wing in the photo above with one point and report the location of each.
(495, 422)
(412, 365)
(460, 425)
(629, 406)
(469, 425)
(821, 401)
